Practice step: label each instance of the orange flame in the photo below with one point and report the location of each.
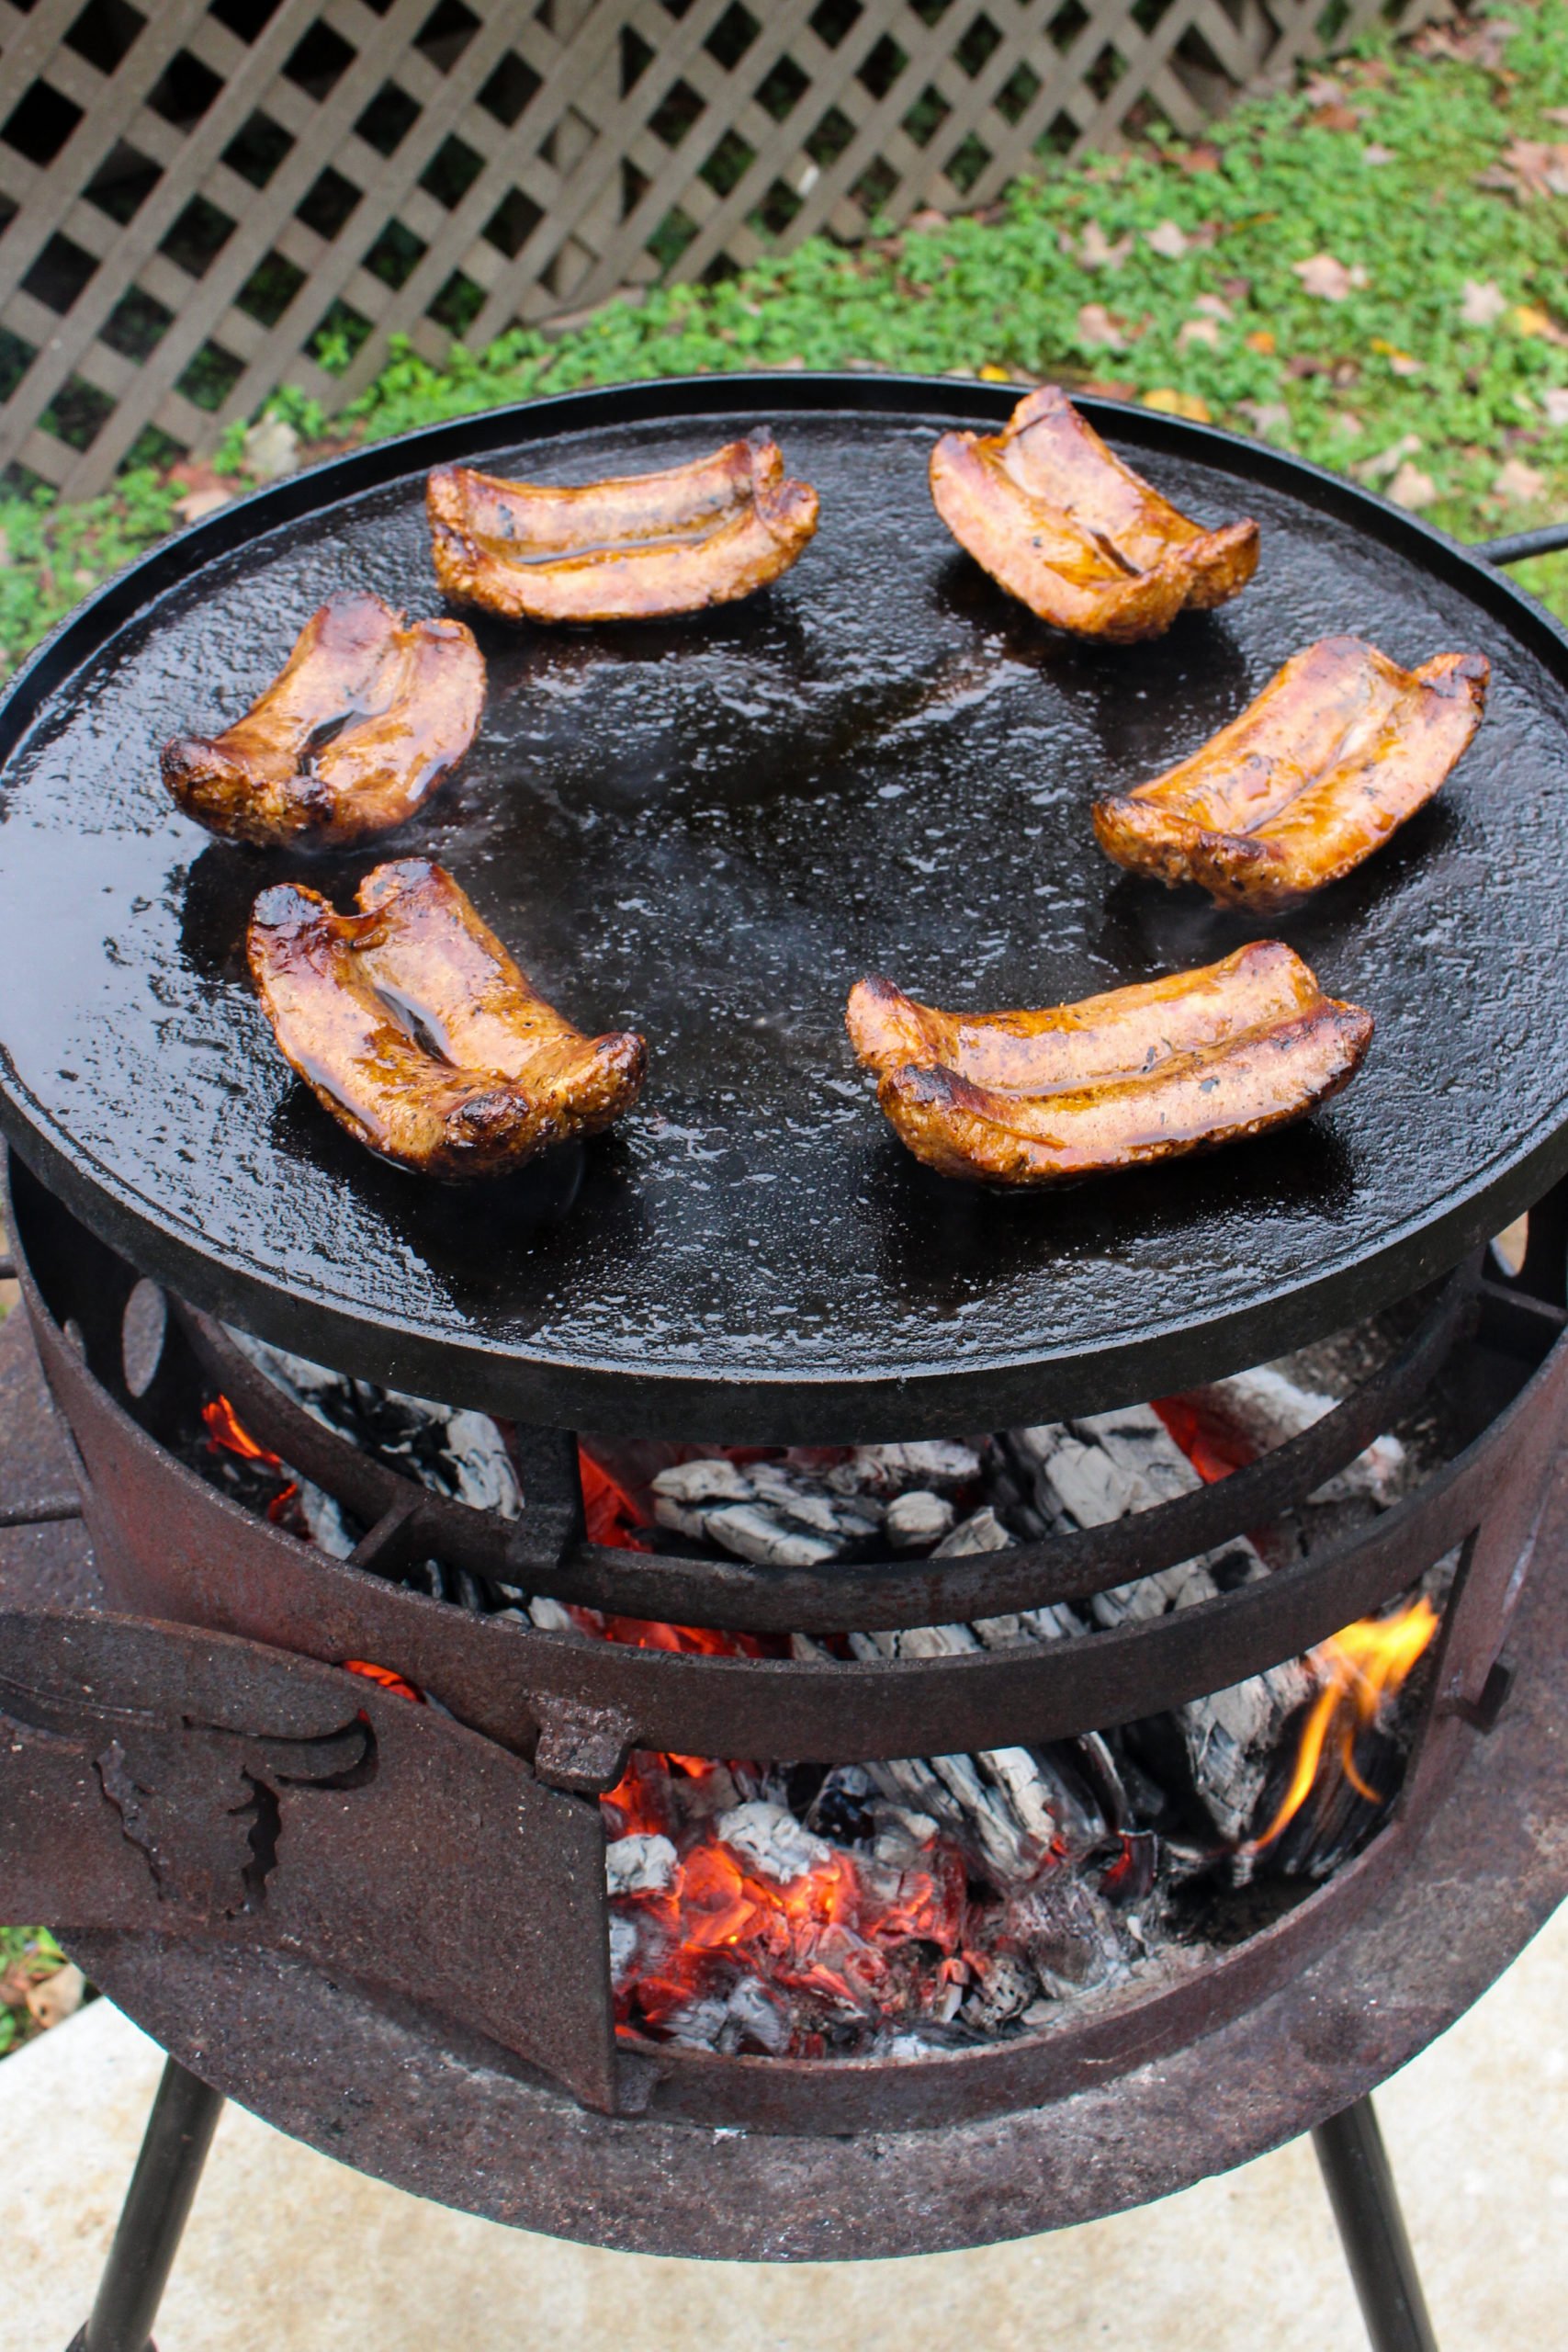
(612, 1515)
(1213, 1451)
(226, 1433)
(1361, 1666)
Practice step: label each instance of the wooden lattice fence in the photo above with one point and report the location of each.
(194, 194)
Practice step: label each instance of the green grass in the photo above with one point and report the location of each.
(1381, 174)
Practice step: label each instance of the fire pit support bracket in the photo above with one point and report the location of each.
(157, 2206)
(1359, 2182)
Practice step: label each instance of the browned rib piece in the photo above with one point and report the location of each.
(1336, 752)
(404, 698)
(632, 549)
(1059, 521)
(1175, 1065)
(414, 1027)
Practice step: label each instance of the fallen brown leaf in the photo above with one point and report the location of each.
(1412, 488)
(1328, 279)
(1096, 250)
(1387, 462)
(1483, 303)
(1529, 168)
(1519, 484)
(1099, 330)
(58, 1996)
(1261, 340)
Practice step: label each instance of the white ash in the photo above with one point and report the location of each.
(1089, 1473)
(1005, 1987)
(769, 1838)
(448, 1449)
(326, 1519)
(981, 1531)
(747, 2013)
(1070, 1936)
(644, 1863)
(934, 1462)
(626, 1949)
(769, 1512)
(1008, 1807)
(1107, 1465)
(917, 1518)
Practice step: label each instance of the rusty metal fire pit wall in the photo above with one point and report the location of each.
(222, 1779)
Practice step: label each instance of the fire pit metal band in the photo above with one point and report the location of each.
(156, 1524)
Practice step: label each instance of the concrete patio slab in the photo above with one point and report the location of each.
(288, 2252)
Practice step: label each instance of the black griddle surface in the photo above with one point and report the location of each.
(707, 829)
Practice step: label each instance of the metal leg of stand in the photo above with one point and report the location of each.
(1366, 2206)
(157, 2206)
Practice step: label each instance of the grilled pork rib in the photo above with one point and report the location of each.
(1170, 1066)
(1336, 754)
(1064, 526)
(650, 544)
(411, 1023)
(404, 699)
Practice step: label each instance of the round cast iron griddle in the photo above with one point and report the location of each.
(707, 829)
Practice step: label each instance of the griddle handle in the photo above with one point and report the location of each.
(1548, 540)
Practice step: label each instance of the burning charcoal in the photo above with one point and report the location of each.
(625, 1950)
(1265, 1406)
(752, 2015)
(643, 1864)
(1132, 1877)
(328, 1523)
(712, 1790)
(981, 1531)
(1069, 1935)
(842, 1809)
(918, 1520)
(767, 1538)
(772, 1840)
(694, 1483)
(770, 1513)
(885, 1470)
(448, 1449)
(901, 1837)
(1005, 1987)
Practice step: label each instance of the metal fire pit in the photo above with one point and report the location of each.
(709, 830)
